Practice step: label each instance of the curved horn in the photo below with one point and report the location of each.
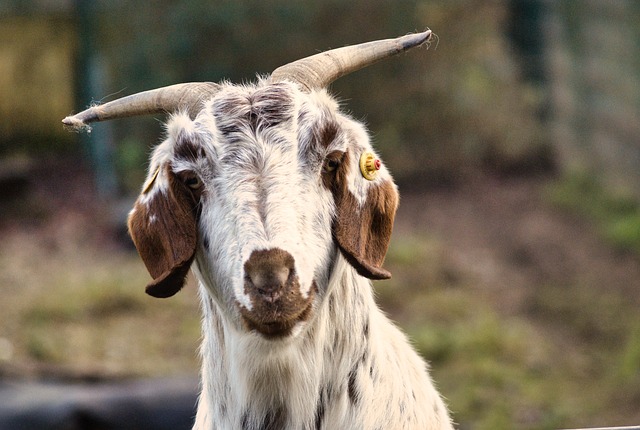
(318, 71)
(189, 96)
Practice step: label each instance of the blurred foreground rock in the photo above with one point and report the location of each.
(145, 404)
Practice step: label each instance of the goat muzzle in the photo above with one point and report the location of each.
(273, 286)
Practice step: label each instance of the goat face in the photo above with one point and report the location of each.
(262, 189)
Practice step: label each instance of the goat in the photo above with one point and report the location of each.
(278, 201)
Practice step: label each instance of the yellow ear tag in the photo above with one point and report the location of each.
(369, 165)
(149, 184)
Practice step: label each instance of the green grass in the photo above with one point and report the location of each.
(84, 311)
(616, 213)
(571, 359)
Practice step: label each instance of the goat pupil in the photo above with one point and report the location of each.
(331, 165)
(192, 182)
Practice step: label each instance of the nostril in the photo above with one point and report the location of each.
(270, 295)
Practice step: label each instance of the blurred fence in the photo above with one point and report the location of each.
(511, 84)
(594, 78)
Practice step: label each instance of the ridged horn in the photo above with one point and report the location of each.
(189, 97)
(318, 71)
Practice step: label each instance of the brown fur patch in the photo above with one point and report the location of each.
(268, 106)
(327, 133)
(187, 149)
(315, 136)
(352, 386)
(363, 233)
(164, 233)
(273, 105)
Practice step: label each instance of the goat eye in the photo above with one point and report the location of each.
(193, 182)
(331, 164)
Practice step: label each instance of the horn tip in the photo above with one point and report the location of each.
(416, 39)
(75, 123)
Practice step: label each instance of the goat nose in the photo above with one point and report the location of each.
(269, 279)
(267, 272)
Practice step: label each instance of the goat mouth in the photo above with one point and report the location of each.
(277, 319)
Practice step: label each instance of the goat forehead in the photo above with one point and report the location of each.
(260, 129)
(248, 124)
(240, 109)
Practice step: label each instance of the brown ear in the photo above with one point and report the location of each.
(163, 227)
(363, 232)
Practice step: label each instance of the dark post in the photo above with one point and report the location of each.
(90, 71)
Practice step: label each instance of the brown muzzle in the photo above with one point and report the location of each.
(271, 282)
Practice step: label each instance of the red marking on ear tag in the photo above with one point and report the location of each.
(369, 165)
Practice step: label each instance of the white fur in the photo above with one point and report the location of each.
(258, 195)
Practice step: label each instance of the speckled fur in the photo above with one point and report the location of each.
(259, 151)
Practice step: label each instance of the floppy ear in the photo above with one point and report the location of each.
(363, 231)
(163, 226)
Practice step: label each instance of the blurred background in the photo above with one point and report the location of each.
(514, 138)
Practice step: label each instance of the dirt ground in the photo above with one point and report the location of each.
(503, 231)
(537, 266)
